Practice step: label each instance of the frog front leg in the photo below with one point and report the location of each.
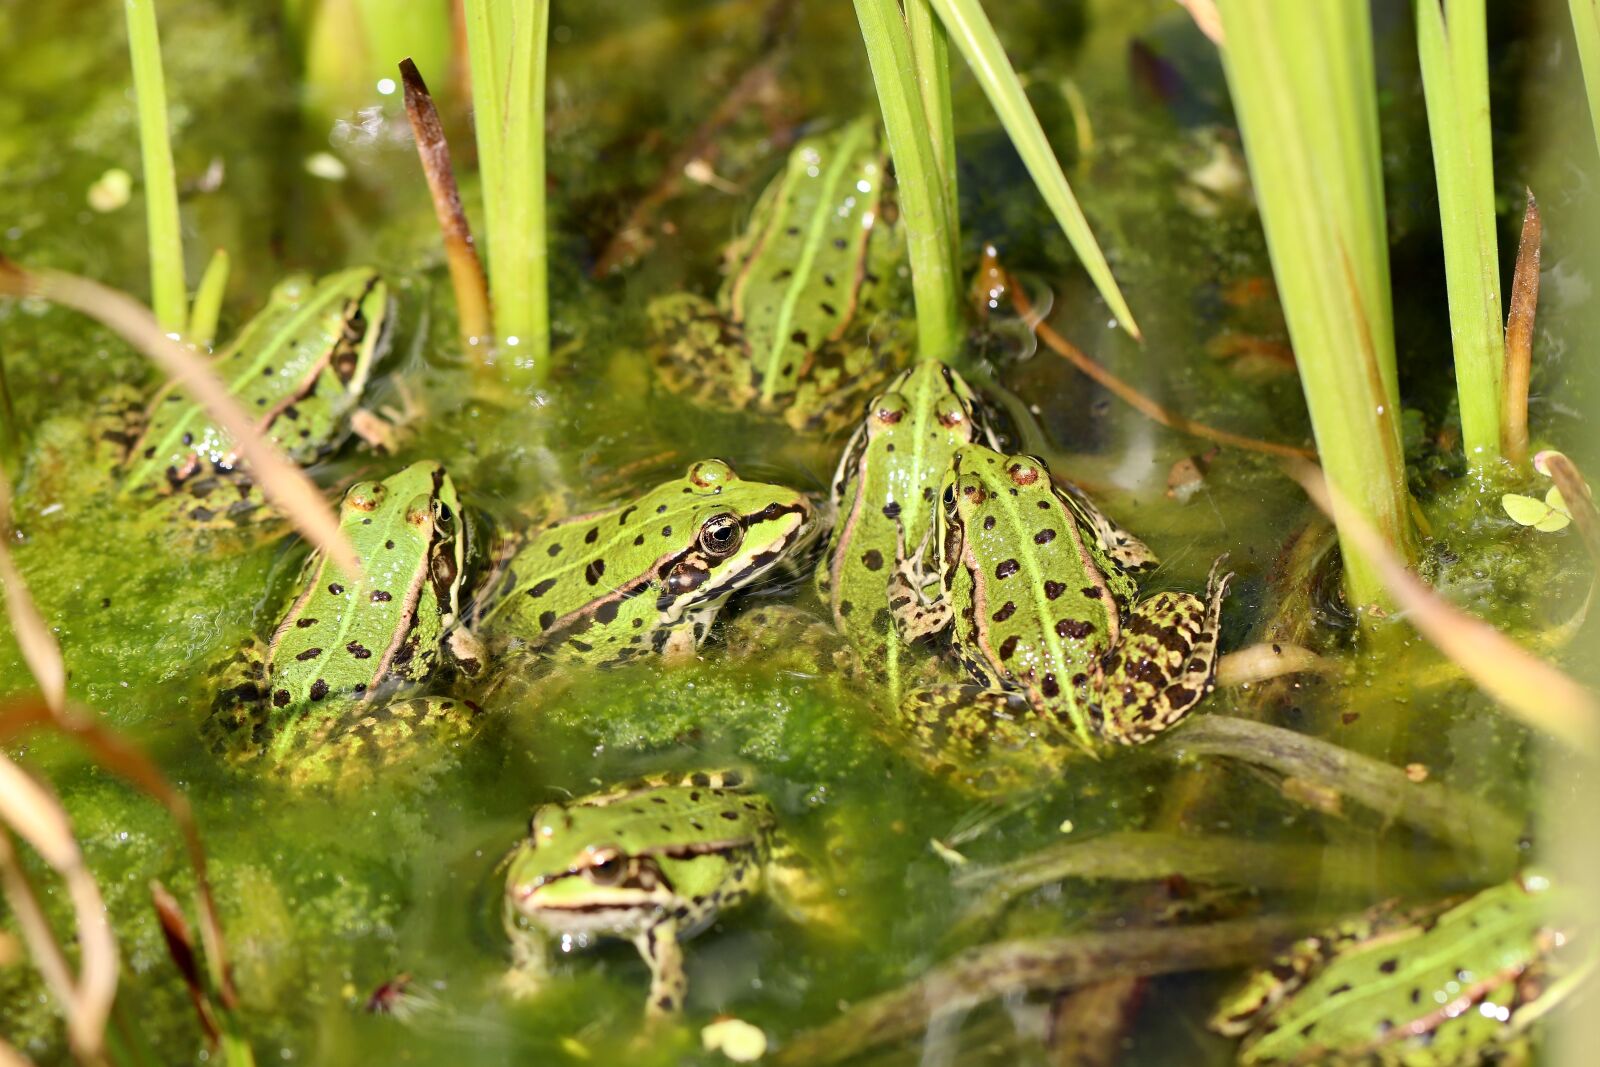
(658, 945)
(916, 613)
(1130, 553)
(1164, 665)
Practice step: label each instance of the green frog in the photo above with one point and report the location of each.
(300, 366)
(316, 703)
(884, 496)
(653, 862)
(1040, 597)
(1445, 984)
(795, 328)
(646, 576)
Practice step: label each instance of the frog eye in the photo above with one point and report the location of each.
(720, 536)
(443, 517)
(606, 868)
(949, 495)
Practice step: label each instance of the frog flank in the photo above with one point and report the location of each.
(796, 329)
(1039, 595)
(647, 576)
(320, 689)
(299, 368)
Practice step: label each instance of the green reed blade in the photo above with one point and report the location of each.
(930, 55)
(207, 306)
(169, 296)
(927, 215)
(1302, 82)
(969, 28)
(1455, 81)
(1586, 28)
(506, 46)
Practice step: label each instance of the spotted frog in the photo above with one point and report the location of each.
(885, 493)
(646, 576)
(1445, 984)
(653, 863)
(300, 367)
(317, 702)
(1039, 594)
(795, 329)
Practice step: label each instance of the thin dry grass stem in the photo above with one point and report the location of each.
(1519, 337)
(634, 237)
(10, 1057)
(1537, 693)
(284, 483)
(29, 809)
(180, 946)
(1206, 18)
(1131, 396)
(46, 951)
(129, 763)
(466, 270)
(1575, 491)
(39, 648)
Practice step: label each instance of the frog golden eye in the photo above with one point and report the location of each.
(443, 517)
(606, 867)
(720, 536)
(949, 495)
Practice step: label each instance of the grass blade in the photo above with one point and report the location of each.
(969, 28)
(1519, 336)
(169, 296)
(1455, 63)
(923, 208)
(930, 56)
(284, 483)
(1586, 29)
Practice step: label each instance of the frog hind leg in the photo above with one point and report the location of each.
(698, 352)
(1165, 664)
(658, 945)
(237, 727)
(355, 748)
(118, 421)
(916, 614)
(1132, 554)
(981, 739)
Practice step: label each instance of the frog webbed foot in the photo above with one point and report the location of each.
(1165, 664)
(915, 613)
(697, 351)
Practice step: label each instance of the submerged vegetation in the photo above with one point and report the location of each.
(785, 592)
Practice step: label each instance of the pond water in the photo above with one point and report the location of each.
(327, 896)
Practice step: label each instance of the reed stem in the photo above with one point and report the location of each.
(169, 296)
(930, 55)
(1586, 29)
(207, 307)
(925, 212)
(506, 45)
(1302, 82)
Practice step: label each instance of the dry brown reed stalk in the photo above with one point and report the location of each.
(10, 1057)
(1575, 491)
(284, 483)
(1534, 691)
(39, 648)
(1519, 337)
(118, 756)
(461, 254)
(1131, 396)
(180, 946)
(29, 808)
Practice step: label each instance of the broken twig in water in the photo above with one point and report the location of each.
(1519, 337)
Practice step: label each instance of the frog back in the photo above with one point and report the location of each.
(1035, 606)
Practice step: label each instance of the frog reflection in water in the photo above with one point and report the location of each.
(1039, 595)
(1447, 984)
(653, 863)
(792, 329)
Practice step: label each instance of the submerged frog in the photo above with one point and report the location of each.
(315, 703)
(792, 329)
(885, 494)
(1442, 985)
(647, 575)
(300, 367)
(1040, 597)
(653, 863)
